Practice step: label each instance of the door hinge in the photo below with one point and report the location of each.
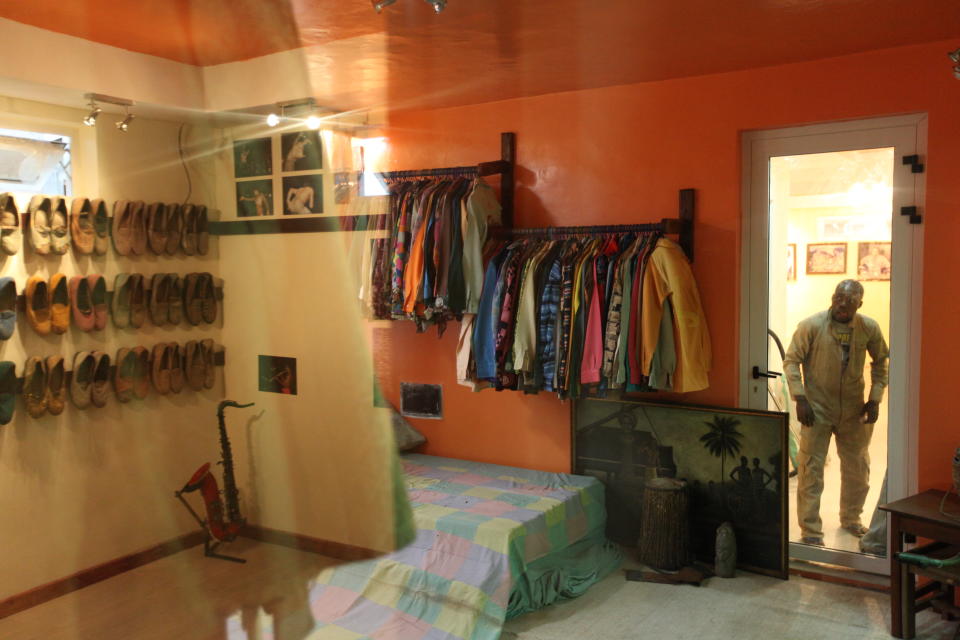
(915, 217)
(914, 161)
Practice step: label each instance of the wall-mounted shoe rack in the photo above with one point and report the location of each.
(504, 167)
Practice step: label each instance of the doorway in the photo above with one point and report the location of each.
(822, 204)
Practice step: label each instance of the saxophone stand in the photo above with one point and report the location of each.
(216, 527)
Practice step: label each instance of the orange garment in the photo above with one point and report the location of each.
(413, 273)
(668, 274)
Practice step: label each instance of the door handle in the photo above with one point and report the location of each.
(765, 374)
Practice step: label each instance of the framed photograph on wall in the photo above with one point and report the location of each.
(255, 198)
(791, 261)
(874, 260)
(732, 461)
(826, 258)
(303, 194)
(252, 158)
(301, 151)
(277, 374)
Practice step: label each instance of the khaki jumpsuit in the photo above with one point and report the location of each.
(835, 394)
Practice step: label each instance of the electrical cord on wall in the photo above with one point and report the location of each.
(183, 161)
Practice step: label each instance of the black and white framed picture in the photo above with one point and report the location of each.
(302, 194)
(278, 374)
(255, 198)
(301, 151)
(252, 157)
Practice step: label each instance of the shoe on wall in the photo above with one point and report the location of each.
(101, 227)
(138, 228)
(188, 229)
(9, 388)
(157, 228)
(141, 372)
(194, 365)
(38, 305)
(98, 295)
(176, 368)
(10, 235)
(192, 300)
(208, 348)
(8, 308)
(81, 382)
(138, 301)
(208, 299)
(174, 225)
(122, 227)
(56, 385)
(174, 298)
(160, 368)
(159, 303)
(59, 303)
(59, 226)
(81, 303)
(124, 375)
(100, 388)
(39, 220)
(35, 387)
(81, 225)
(201, 229)
(120, 308)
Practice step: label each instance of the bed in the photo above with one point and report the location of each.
(492, 542)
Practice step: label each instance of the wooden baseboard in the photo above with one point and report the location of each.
(86, 577)
(338, 550)
(846, 581)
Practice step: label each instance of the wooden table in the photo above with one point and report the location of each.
(918, 515)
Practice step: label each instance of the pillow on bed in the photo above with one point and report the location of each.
(406, 436)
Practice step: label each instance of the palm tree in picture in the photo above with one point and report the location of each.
(722, 440)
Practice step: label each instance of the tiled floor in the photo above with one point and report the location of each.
(188, 597)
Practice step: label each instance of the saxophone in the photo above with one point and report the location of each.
(218, 526)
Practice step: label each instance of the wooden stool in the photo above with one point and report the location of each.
(665, 525)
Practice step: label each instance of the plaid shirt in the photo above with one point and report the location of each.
(549, 308)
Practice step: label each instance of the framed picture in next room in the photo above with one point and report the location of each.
(255, 198)
(732, 463)
(252, 158)
(873, 261)
(301, 151)
(302, 194)
(791, 262)
(826, 258)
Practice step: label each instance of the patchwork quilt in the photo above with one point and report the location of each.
(492, 542)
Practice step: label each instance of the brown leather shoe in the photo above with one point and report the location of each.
(81, 383)
(174, 224)
(209, 367)
(195, 366)
(120, 308)
(10, 236)
(59, 303)
(124, 375)
(159, 299)
(192, 299)
(188, 229)
(157, 228)
(174, 298)
(98, 294)
(81, 225)
(138, 228)
(208, 299)
(81, 303)
(100, 389)
(160, 368)
(8, 308)
(201, 228)
(138, 301)
(176, 368)
(35, 387)
(39, 222)
(38, 305)
(59, 226)
(141, 372)
(56, 385)
(101, 227)
(122, 227)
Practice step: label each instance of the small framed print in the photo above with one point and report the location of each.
(302, 194)
(826, 258)
(255, 198)
(277, 374)
(791, 262)
(252, 158)
(301, 151)
(874, 260)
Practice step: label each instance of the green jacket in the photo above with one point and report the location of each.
(835, 394)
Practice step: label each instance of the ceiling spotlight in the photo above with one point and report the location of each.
(954, 56)
(273, 120)
(91, 118)
(313, 122)
(124, 125)
(438, 5)
(378, 5)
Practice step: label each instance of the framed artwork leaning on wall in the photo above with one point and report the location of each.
(734, 462)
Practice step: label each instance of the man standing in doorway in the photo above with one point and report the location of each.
(830, 348)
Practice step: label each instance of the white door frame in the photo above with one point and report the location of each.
(908, 134)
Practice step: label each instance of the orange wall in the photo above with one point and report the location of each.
(619, 155)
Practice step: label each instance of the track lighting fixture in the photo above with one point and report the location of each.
(955, 59)
(124, 124)
(438, 5)
(91, 118)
